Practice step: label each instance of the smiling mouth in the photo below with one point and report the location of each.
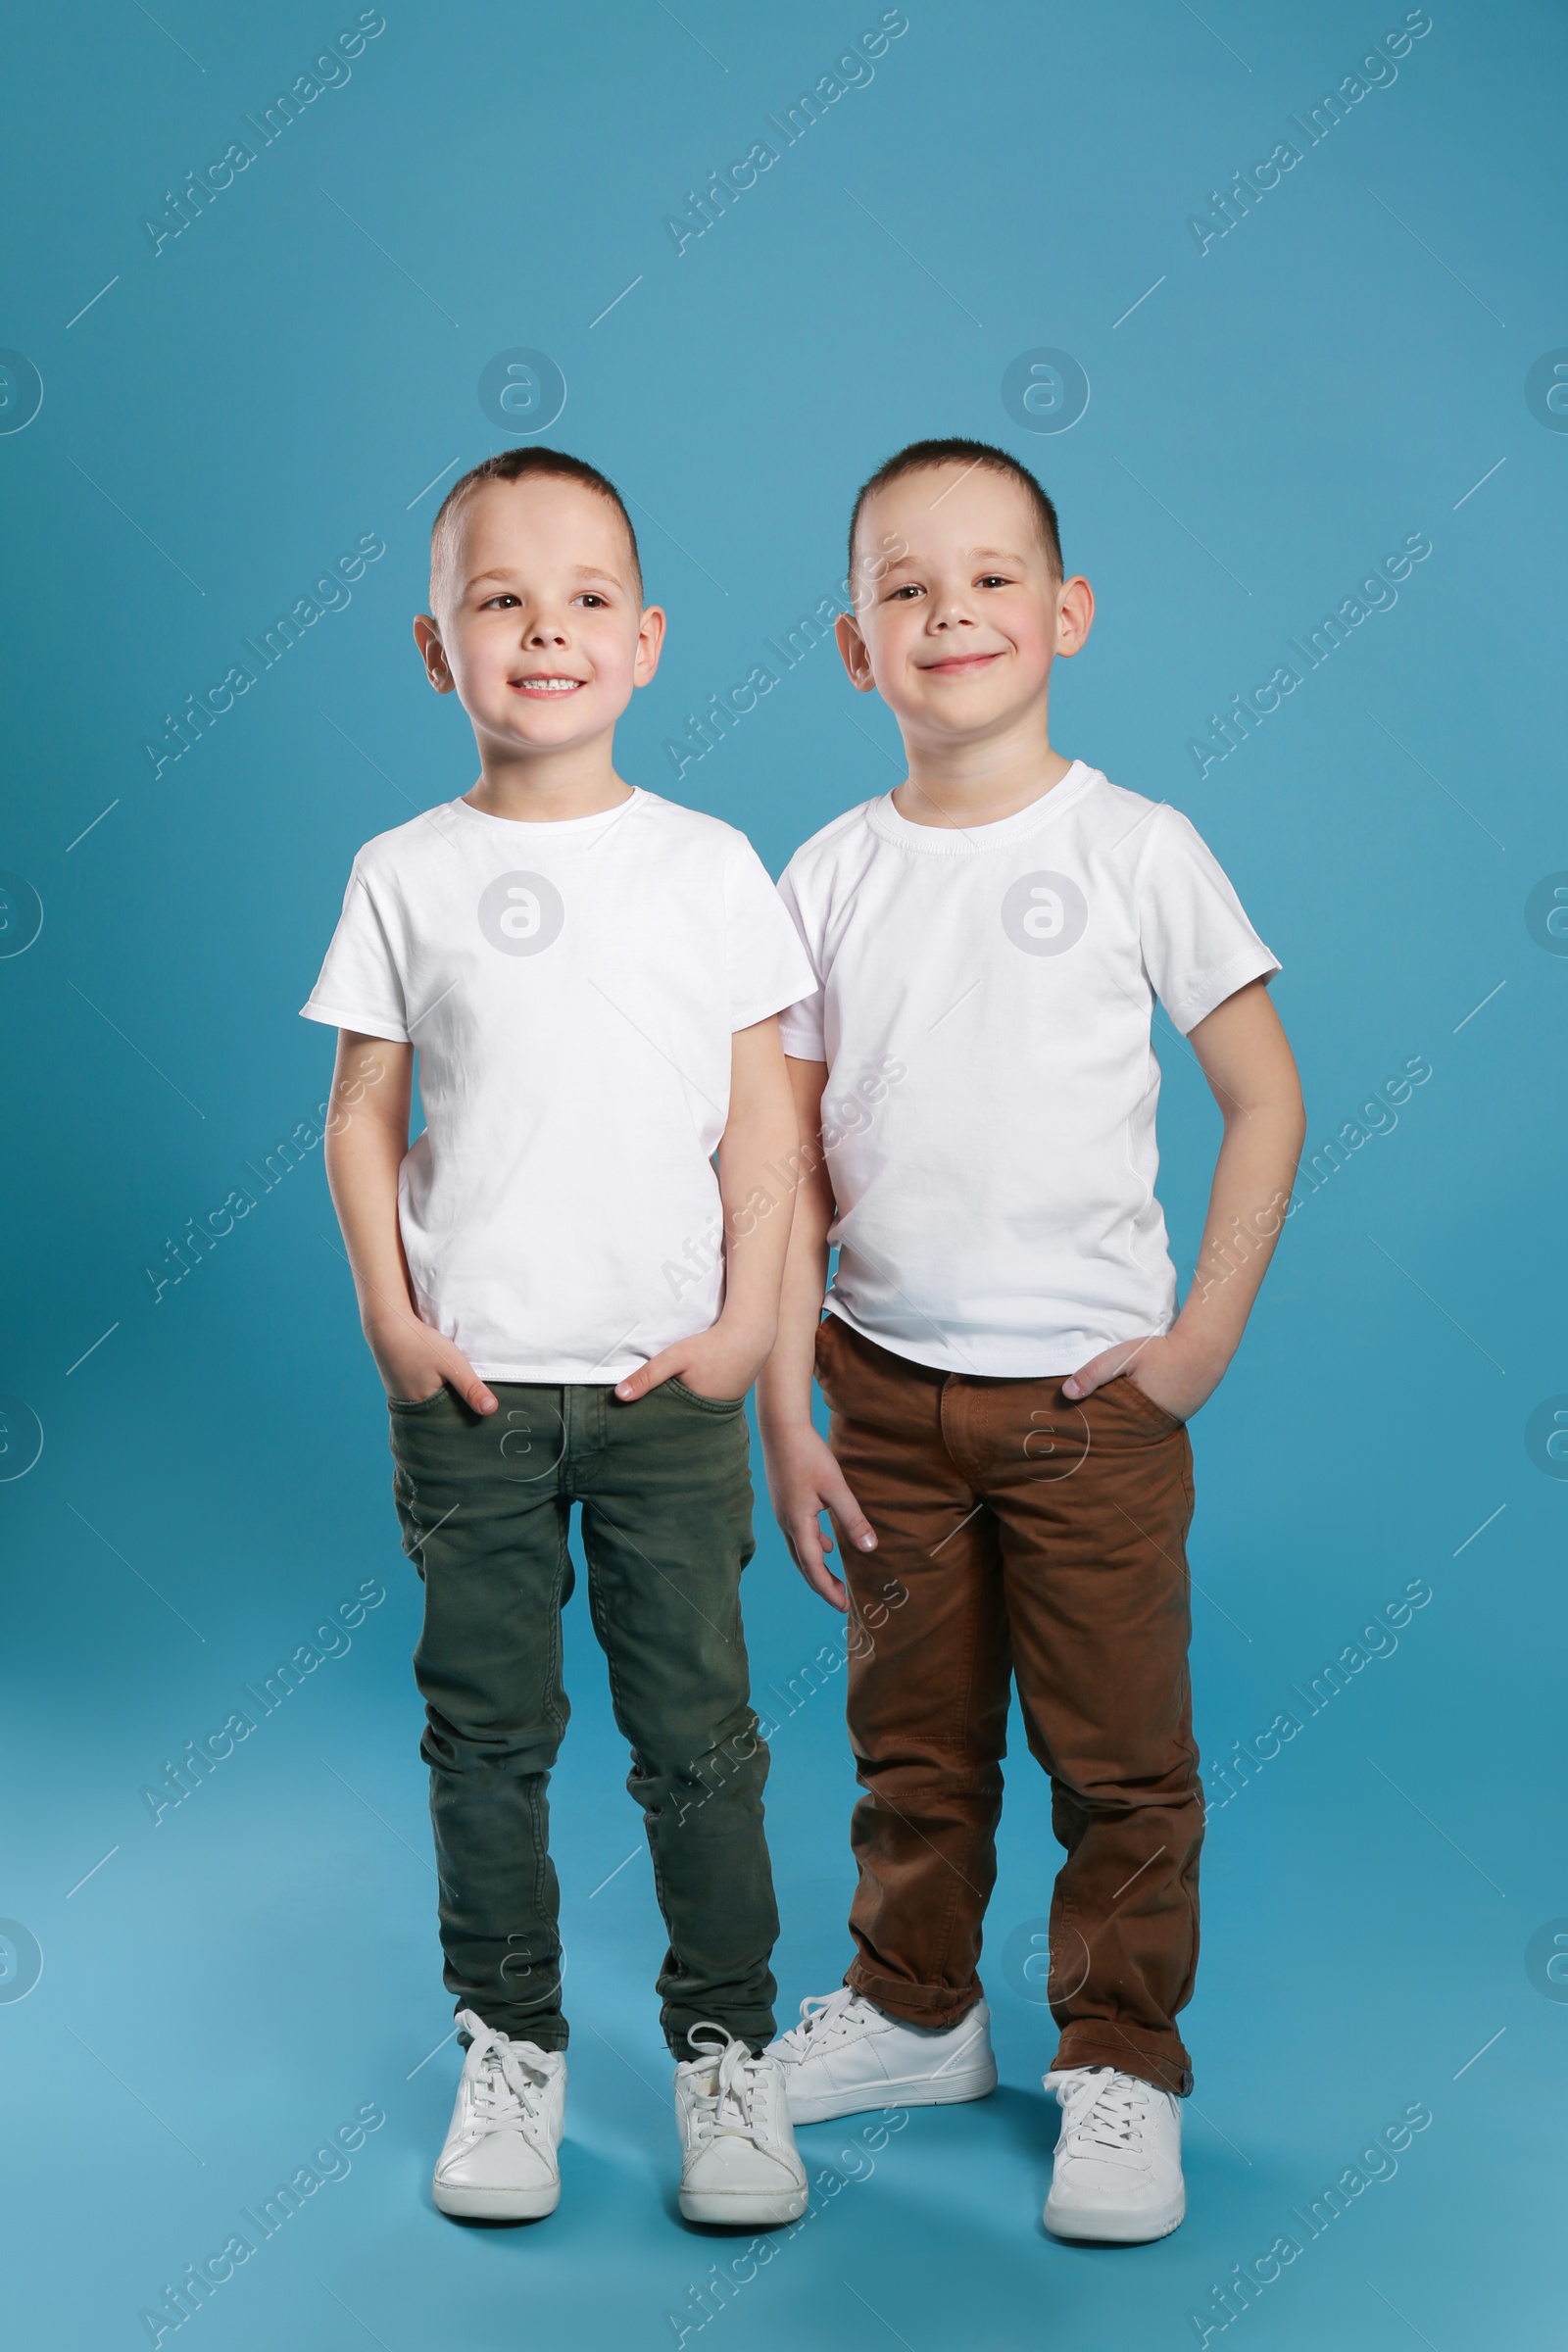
(546, 685)
(962, 666)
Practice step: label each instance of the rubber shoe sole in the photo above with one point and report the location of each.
(740, 2209)
(1116, 2228)
(950, 2089)
(465, 2204)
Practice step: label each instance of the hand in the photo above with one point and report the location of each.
(1164, 1368)
(803, 1481)
(414, 1361)
(720, 1362)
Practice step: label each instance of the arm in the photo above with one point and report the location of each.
(366, 1137)
(1244, 1054)
(723, 1361)
(803, 1479)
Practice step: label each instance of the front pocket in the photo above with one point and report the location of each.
(1141, 1402)
(416, 1404)
(708, 1405)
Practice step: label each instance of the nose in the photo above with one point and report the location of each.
(546, 630)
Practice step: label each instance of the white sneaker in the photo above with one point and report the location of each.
(1118, 2177)
(847, 2055)
(499, 2162)
(738, 2160)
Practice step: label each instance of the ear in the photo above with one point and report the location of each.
(851, 645)
(650, 644)
(428, 637)
(1075, 613)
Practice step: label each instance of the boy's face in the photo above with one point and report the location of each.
(959, 633)
(540, 627)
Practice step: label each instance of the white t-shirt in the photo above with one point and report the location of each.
(571, 989)
(984, 1008)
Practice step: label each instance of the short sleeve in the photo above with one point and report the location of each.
(1198, 946)
(803, 1027)
(766, 964)
(359, 986)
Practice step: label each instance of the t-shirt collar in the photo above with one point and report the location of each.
(568, 828)
(967, 841)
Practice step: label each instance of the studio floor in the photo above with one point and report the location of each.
(230, 1983)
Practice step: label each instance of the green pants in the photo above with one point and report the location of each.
(484, 1504)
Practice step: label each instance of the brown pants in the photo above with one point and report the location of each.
(1040, 1539)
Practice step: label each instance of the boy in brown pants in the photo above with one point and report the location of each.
(1007, 1376)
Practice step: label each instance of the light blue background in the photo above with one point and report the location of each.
(1281, 410)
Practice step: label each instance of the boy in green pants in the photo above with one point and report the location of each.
(1007, 1377)
(555, 1288)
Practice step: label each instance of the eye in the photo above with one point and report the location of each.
(993, 579)
(495, 604)
(591, 595)
(910, 588)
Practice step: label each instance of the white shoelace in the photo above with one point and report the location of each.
(1102, 2113)
(824, 2019)
(506, 2090)
(737, 2106)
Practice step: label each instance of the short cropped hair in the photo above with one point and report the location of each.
(959, 452)
(512, 465)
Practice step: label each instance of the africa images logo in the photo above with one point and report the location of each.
(1045, 913)
(522, 913)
